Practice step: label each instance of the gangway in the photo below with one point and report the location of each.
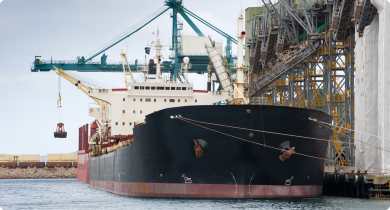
(286, 61)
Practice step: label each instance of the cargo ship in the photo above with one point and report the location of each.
(165, 139)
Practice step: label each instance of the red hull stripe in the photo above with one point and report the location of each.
(201, 91)
(120, 89)
(82, 166)
(207, 190)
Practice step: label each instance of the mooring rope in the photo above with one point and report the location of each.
(189, 121)
(283, 134)
(364, 143)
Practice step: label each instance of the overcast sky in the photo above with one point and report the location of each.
(64, 29)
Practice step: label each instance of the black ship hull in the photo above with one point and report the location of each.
(237, 163)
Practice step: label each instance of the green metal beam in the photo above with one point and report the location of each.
(192, 24)
(166, 67)
(106, 48)
(319, 29)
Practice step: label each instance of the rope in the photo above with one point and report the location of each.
(353, 130)
(283, 134)
(364, 143)
(187, 120)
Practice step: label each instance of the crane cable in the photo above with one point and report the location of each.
(189, 121)
(59, 105)
(92, 82)
(134, 27)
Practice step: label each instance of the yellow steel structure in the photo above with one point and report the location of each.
(127, 71)
(78, 84)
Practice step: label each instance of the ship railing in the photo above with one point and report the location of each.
(193, 53)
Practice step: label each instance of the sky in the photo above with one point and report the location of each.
(63, 30)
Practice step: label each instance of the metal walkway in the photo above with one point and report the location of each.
(287, 61)
(365, 16)
(344, 16)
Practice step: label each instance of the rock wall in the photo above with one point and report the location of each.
(38, 173)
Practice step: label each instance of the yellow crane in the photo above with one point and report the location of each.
(78, 84)
(128, 71)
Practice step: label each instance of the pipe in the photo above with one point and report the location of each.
(209, 78)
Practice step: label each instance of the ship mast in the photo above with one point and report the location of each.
(239, 97)
(157, 78)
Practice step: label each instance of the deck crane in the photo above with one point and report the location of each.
(80, 86)
(128, 71)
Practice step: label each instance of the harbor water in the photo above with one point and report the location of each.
(71, 194)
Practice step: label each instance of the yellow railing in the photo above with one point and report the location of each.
(319, 101)
(300, 96)
(282, 82)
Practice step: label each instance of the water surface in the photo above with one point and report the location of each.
(71, 194)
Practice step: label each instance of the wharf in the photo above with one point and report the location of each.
(350, 183)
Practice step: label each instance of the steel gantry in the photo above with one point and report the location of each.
(317, 71)
(199, 63)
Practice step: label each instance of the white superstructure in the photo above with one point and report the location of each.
(129, 106)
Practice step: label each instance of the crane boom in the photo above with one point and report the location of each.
(78, 84)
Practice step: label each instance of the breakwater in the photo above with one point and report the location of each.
(38, 173)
